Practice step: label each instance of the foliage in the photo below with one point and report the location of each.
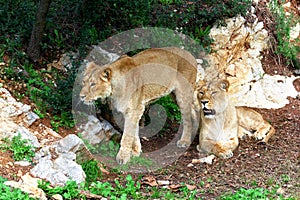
(287, 48)
(64, 120)
(69, 191)
(92, 171)
(171, 107)
(109, 149)
(20, 148)
(11, 193)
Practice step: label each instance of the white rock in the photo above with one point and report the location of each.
(249, 84)
(62, 166)
(69, 143)
(208, 160)
(295, 32)
(31, 117)
(163, 182)
(22, 163)
(57, 197)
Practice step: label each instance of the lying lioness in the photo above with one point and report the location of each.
(130, 83)
(222, 123)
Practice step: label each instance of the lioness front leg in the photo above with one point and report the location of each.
(130, 143)
(222, 149)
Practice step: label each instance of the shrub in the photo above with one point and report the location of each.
(285, 47)
(19, 147)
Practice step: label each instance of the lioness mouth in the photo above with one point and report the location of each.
(209, 111)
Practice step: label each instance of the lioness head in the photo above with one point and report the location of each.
(213, 97)
(95, 83)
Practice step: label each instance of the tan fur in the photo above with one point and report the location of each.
(130, 83)
(222, 123)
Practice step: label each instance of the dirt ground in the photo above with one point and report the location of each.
(274, 164)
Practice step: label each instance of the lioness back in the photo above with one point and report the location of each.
(186, 64)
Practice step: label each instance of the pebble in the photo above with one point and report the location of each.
(23, 163)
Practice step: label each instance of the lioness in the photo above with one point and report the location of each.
(130, 83)
(222, 123)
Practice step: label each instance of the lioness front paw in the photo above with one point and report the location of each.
(136, 148)
(183, 143)
(123, 156)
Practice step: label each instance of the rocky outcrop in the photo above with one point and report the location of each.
(56, 163)
(236, 56)
(55, 159)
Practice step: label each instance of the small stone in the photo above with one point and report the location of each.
(31, 117)
(280, 191)
(20, 173)
(23, 163)
(57, 197)
(163, 182)
(287, 5)
(190, 165)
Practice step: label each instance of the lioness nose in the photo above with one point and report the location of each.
(204, 102)
(82, 97)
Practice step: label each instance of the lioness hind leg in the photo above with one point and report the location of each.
(184, 99)
(253, 124)
(264, 132)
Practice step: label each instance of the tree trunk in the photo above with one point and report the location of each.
(34, 49)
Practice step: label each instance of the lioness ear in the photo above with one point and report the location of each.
(224, 85)
(91, 66)
(199, 85)
(106, 74)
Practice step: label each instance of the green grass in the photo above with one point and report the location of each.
(128, 188)
(254, 194)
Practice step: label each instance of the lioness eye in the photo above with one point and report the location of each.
(213, 93)
(93, 84)
(201, 93)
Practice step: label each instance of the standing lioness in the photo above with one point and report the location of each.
(130, 83)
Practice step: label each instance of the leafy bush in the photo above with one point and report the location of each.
(92, 171)
(171, 107)
(287, 48)
(20, 148)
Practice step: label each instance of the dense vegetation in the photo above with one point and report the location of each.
(73, 25)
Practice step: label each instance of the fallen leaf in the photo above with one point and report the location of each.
(149, 180)
(175, 188)
(190, 187)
